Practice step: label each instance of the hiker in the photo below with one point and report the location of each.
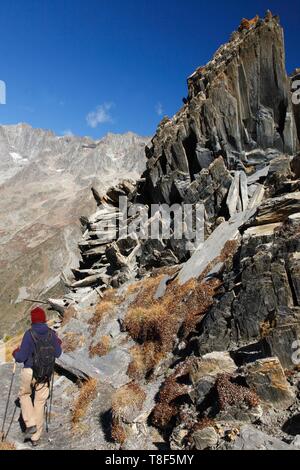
(40, 346)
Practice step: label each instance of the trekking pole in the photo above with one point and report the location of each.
(46, 412)
(8, 398)
(11, 422)
(51, 396)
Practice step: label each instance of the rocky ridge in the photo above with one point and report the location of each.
(198, 348)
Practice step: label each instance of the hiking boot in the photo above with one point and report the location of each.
(30, 431)
(35, 443)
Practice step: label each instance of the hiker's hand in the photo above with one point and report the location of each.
(15, 351)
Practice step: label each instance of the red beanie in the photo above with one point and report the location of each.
(38, 315)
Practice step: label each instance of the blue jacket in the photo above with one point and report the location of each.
(25, 353)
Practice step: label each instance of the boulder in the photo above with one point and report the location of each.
(212, 364)
(251, 438)
(267, 378)
(205, 438)
(280, 341)
(212, 247)
(278, 209)
(109, 369)
(201, 390)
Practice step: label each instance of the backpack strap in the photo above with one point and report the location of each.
(33, 335)
(50, 333)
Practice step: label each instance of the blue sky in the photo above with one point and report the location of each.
(93, 66)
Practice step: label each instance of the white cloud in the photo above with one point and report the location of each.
(159, 108)
(100, 116)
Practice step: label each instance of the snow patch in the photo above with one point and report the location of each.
(17, 158)
(23, 294)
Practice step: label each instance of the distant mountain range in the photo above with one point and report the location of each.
(45, 183)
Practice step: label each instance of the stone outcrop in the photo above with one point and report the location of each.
(238, 106)
(259, 294)
(251, 438)
(266, 377)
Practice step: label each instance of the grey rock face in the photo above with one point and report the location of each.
(266, 377)
(198, 156)
(221, 116)
(263, 299)
(251, 438)
(205, 438)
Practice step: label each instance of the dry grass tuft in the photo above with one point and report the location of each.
(185, 306)
(168, 405)
(9, 346)
(133, 288)
(69, 313)
(101, 348)
(229, 393)
(106, 305)
(118, 433)
(267, 325)
(87, 393)
(7, 446)
(144, 358)
(72, 341)
(158, 321)
(127, 401)
(198, 302)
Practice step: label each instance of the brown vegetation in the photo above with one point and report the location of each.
(127, 401)
(106, 305)
(9, 346)
(69, 313)
(72, 341)
(167, 406)
(7, 446)
(101, 348)
(87, 393)
(203, 423)
(4, 444)
(144, 358)
(230, 393)
(248, 24)
(155, 323)
(158, 321)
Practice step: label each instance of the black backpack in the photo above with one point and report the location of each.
(43, 356)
